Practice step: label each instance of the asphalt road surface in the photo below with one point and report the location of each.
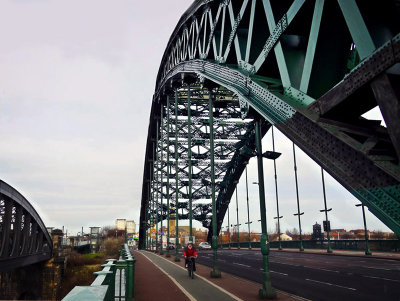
(314, 276)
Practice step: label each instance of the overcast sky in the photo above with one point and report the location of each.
(76, 83)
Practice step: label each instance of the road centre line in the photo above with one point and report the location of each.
(331, 284)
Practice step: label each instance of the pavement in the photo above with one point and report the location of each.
(172, 277)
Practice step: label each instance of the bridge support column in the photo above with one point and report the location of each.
(215, 273)
(190, 164)
(168, 169)
(176, 179)
(162, 182)
(156, 183)
(267, 291)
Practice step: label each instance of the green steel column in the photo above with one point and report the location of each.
(278, 217)
(190, 165)
(153, 192)
(176, 178)
(162, 178)
(150, 222)
(237, 219)
(326, 210)
(298, 214)
(145, 222)
(129, 274)
(248, 211)
(267, 291)
(215, 273)
(168, 169)
(156, 182)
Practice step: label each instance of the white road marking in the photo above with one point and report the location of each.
(328, 270)
(245, 265)
(191, 298)
(205, 279)
(331, 284)
(387, 279)
(376, 268)
(278, 273)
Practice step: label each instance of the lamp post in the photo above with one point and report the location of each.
(367, 250)
(298, 214)
(248, 212)
(267, 291)
(326, 210)
(229, 231)
(278, 217)
(237, 218)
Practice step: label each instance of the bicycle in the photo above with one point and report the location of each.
(190, 266)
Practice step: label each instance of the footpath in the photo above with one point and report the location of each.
(160, 278)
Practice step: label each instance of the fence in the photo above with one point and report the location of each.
(114, 282)
(381, 245)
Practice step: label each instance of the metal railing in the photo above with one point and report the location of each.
(114, 282)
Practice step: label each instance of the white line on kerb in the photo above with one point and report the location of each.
(191, 298)
(206, 280)
(331, 284)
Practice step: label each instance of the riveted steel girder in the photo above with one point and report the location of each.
(24, 239)
(312, 68)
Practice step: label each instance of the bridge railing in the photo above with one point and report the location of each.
(380, 245)
(114, 282)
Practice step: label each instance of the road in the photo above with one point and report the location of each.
(315, 276)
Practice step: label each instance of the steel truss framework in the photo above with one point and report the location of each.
(312, 69)
(193, 167)
(24, 239)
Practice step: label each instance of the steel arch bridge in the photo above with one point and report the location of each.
(309, 68)
(24, 239)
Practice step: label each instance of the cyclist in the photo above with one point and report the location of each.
(190, 252)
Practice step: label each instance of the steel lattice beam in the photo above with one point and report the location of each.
(312, 68)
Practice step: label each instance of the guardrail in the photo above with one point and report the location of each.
(378, 245)
(114, 282)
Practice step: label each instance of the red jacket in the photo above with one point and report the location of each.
(190, 252)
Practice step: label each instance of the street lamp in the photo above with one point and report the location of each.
(298, 214)
(367, 250)
(248, 212)
(237, 217)
(326, 210)
(267, 291)
(278, 217)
